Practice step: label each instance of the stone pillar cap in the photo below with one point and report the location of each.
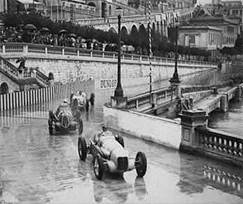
(193, 113)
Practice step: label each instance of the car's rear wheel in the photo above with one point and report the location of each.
(82, 148)
(50, 127)
(141, 164)
(98, 167)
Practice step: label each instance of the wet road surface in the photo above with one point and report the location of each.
(38, 168)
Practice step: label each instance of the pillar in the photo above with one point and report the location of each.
(154, 100)
(3, 49)
(190, 119)
(224, 103)
(25, 49)
(238, 93)
(118, 102)
(177, 88)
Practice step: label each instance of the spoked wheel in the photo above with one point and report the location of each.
(82, 148)
(141, 164)
(81, 126)
(98, 167)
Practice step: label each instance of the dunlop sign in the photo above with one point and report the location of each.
(108, 83)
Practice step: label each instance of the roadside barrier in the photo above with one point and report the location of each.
(38, 96)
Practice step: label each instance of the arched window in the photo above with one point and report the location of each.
(4, 88)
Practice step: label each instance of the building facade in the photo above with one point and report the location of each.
(234, 10)
(204, 37)
(230, 27)
(3, 6)
(69, 10)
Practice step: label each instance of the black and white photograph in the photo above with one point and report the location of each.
(121, 101)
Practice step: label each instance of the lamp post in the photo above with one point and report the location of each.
(175, 81)
(118, 100)
(118, 90)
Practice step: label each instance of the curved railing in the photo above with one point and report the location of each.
(71, 51)
(12, 72)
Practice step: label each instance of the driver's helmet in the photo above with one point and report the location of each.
(83, 95)
(65, 101)
(104, 128)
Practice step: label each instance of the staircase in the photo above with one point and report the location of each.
(11, 72)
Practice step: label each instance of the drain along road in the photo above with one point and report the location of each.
(38, 168)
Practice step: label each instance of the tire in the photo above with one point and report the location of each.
(98, 167)
(82, 148)
(141, 164)
(120, 140)
(50, 130)
(51, 115)
(80, 127)
(50, 127)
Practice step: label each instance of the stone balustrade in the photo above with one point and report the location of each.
(224, 144)
(197, 137)
(26, 48)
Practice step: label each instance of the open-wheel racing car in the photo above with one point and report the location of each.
(109, 155)
(78, 101)
(64, 120)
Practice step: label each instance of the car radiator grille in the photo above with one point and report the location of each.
(122, 163)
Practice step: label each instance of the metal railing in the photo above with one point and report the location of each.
(11, 71)
(31, 97)
(71, 51)
(221, 143)
(9, 68)
(160, 96)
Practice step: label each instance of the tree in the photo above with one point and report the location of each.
(239, 44)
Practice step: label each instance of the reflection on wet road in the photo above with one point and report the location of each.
(38, 168)
(231, 121)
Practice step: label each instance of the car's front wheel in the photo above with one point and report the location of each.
(141, 164)
(81, 126)
(82, 148)
(98, 167)
(50, 127)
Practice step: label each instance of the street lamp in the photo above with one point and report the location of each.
(118, 100)
(118, 90)
(175, 77)
(175, 81)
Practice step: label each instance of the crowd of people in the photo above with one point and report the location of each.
(63, 38)
(13, 34)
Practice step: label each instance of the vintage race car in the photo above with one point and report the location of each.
(64, 120)
(78, 101)
(109, 155)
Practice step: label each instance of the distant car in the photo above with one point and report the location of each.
(64, 120)
(109, 155)
(78, 101)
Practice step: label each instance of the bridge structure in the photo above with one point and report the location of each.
(160, 21)
(189, 132)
